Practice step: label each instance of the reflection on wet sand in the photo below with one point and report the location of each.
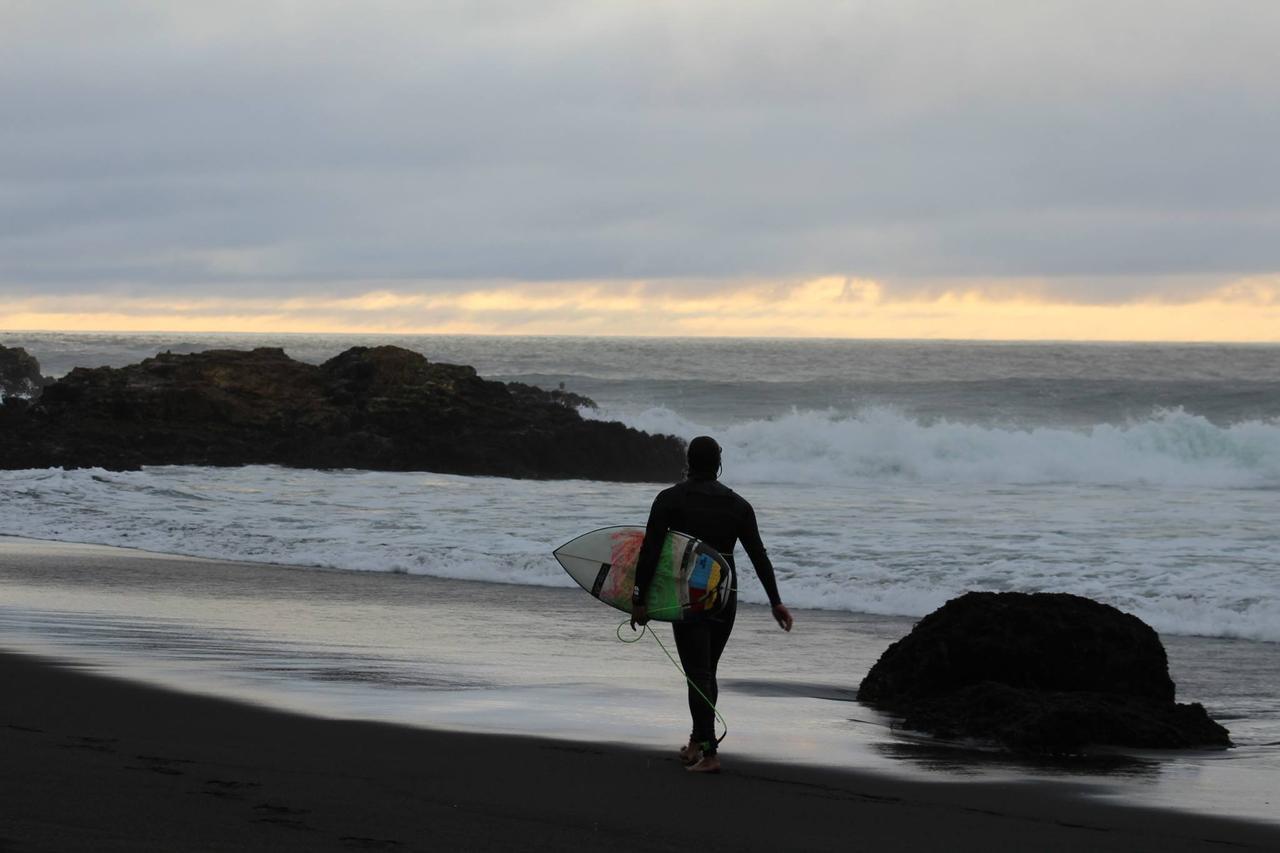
(486, 657)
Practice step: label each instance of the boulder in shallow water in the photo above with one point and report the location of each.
(1037, 672)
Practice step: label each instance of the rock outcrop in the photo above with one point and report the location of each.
(20, 374)
(380, 408)
(1042, 672)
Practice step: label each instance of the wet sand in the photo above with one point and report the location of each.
(153, 702)
(93, 763)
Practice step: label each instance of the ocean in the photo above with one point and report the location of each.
(888, 477)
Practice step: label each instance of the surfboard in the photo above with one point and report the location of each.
(692, 578)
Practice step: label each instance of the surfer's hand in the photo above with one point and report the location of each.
(639, 616)
(783, 615)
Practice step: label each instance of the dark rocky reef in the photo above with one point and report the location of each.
(20, 374)
(380, 408)
(1040, 673)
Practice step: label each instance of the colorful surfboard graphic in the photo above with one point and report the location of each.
(691, 577)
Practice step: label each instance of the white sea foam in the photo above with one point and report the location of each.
(1170, 448)
(1196, 560)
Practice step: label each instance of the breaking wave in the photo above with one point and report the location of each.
(1169, 448)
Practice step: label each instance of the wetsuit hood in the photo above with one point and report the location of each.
(703, 458)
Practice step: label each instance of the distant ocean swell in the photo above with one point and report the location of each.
(1168, 448)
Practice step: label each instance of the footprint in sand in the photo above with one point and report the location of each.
(361, 843)
(227, 789)
(95, 744)
(279, 814)
(161, 764)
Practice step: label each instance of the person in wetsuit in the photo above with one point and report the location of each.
(704, 508)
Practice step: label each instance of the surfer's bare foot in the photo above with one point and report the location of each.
(706, 764)
(691, 753)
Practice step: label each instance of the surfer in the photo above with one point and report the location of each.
(706, 509)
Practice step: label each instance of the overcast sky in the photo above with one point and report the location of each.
(1078, 151)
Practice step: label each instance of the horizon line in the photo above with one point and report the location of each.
(686, 337)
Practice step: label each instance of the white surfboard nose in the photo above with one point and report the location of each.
(581, 569)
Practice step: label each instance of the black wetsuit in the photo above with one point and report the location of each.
(708, 510)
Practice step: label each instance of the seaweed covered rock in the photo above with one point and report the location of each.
(1037, 672)
(381, 408)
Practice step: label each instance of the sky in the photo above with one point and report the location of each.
(999, 169)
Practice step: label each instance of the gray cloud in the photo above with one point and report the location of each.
(214, 147)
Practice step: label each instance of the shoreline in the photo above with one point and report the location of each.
(522, 682)
(98, 763)
(26, 539)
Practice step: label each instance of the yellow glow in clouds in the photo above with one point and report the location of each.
(834, 307)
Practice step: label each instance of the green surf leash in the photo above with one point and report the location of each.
(638, 637)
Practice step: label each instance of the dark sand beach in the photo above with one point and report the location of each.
(93, 763)
(98, 762)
